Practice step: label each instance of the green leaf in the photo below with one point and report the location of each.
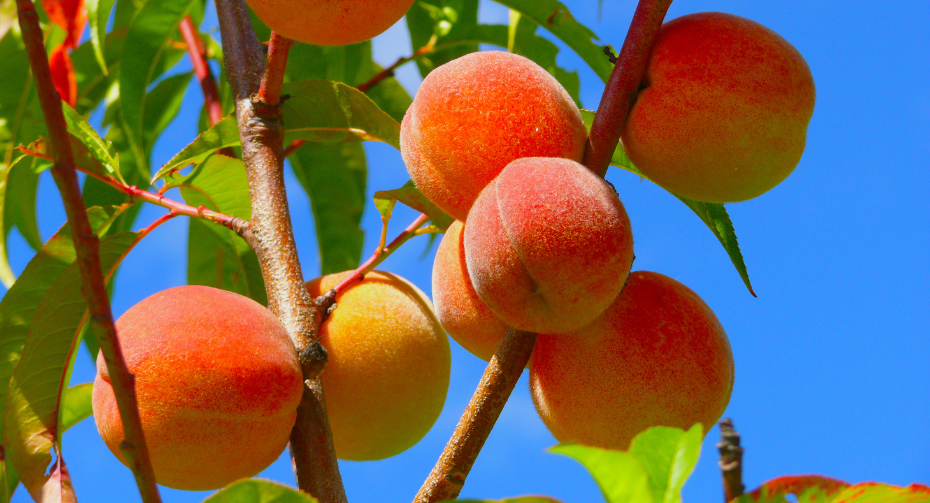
(714, 215)
(258, 491)
(807, 488)
(162, 105)
(217, 257)
(32, 403)
(92, 83)
(669, 456)
(620, 475)
(316, 110)
(450, 21)
(98, 12)
(555, 17)
(334, 176)
(75, 405)
(18, 186)
(411, 196)
(101, 150)
(390, 96)
(150, 37)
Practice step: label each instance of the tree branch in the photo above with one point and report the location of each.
(731, 461)
(87, 245)
(623, 84)
(269, 92)
(448, 476)
(262, 134)
(503, 372)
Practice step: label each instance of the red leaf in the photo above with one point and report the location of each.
(797, 485)
(63, 74)
(70, 15)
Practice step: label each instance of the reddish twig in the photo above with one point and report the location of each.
(382, 253)
(623, 84)
(269, 92)
(87, 245)
(448, 476)
(296, 144)
(731, 461)
(262, 136)
(211, 94)
(389, 71)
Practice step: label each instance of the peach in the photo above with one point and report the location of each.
(474, 115)
(723, 112)
(460, 311)
(389, 365)
(217, 381)
(657, 357)
(548, 245)
(330, 22)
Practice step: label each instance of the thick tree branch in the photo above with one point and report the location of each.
(623, 84)
(731, 461)
(87, 245)
(262, 134)
(448, 476)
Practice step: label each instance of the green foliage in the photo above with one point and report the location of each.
(411, 196)
(258, 491)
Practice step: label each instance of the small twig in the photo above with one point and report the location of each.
(296, 144)
(269, 92)
(261, 132)
(389, 71)
(503, 372)
(198, 55)
(87, 246)
(623, 84)
(731, 461)
(380, 254)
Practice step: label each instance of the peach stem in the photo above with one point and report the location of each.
(87, 246)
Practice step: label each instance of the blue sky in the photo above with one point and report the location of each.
(832, 358)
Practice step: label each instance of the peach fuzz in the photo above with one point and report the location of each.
(474, 115)
(657, 357)
(460, 311)
(218, 384)
(389, 365)
(330, 22)
(724, 108)
(548, 245)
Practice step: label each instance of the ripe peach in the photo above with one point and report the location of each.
(657, 357)
(724, 110)
(218, 384)
(548, 245)
(474, 115)
(389, 365)
(330, 22)
(461, 312)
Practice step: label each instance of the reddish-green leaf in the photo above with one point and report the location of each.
(870, 492)
(807, 488)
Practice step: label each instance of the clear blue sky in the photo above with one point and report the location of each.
(832, 358)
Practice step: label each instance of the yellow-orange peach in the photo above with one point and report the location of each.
(474, 115)
(548, 245)
(217, 380)
(657, 357)
(330, 22)
(389, 364)
(461, 312)
(724, 109)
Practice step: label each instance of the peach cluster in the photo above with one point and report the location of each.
(543, 244)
